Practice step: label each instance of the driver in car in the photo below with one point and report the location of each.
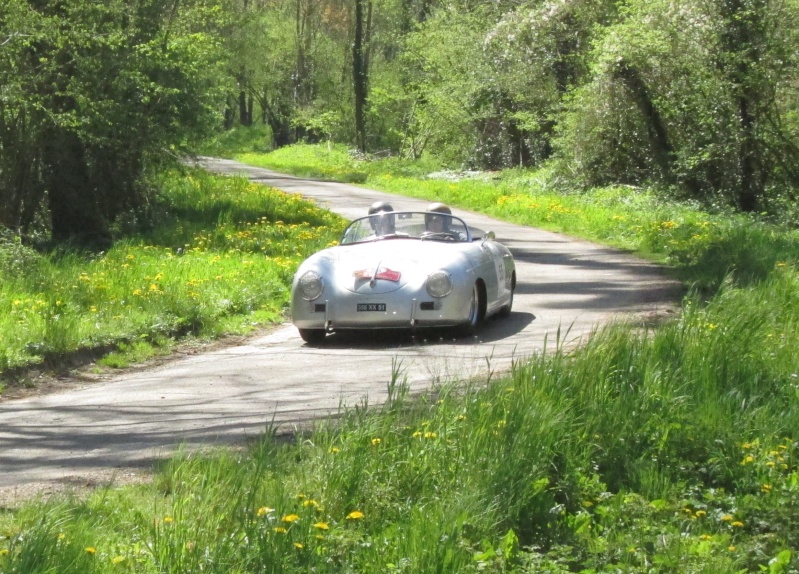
(437, 221)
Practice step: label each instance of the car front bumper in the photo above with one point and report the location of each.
(341, 311)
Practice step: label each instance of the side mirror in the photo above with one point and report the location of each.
(489, 236)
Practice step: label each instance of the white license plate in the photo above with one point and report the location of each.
(371, 307)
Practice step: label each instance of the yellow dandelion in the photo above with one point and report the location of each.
(430, 435)
(726, 518)
(90, 550)
(355, 515)
(264, 510)
(3, 551)
(376, 441)
(335, 450)
(737, 524)
(765, 488)
(706, 537)
(168, 520)
(61, 536)
(731, 548)
(417, 434)
(279, 530)
(700, 513)
(289, 518)
(461, 417)
(321, 526)
(298, 546)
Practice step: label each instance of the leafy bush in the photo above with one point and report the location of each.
(15, 258)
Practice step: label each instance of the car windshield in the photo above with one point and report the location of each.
(425, 226)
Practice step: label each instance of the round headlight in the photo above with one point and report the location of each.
(439, 284)
(311, 285)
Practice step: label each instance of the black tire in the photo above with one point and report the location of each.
(313, 336)
(476, 311)
(506, 309)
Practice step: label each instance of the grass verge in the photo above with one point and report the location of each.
(219, 259)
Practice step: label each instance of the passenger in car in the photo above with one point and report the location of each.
(381, 218)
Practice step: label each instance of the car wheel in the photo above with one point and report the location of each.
(476, 310)
(313, 336)
(506, 309)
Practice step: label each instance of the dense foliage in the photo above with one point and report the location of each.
(93, 96)
(699, 98)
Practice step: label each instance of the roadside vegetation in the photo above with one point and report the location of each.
(667, 449)
(216, 256)
(702, 246)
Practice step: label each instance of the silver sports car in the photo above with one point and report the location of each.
(403, 269)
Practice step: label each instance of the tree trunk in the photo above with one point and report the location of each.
(304, 36)
(243, 113)
(745, 28)
(75, 212)
(662, 149)
(359, 77)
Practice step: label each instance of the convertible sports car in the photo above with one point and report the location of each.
(403, 269)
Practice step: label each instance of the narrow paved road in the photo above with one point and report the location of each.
(224, 396)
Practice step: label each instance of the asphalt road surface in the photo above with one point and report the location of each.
(224, 396)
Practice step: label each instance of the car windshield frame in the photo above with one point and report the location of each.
(418, 225)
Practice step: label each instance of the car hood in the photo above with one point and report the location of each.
(388, 265)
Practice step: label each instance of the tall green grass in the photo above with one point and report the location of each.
(665, 451)
(219, 259)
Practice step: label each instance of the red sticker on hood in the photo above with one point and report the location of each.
(383, 273)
